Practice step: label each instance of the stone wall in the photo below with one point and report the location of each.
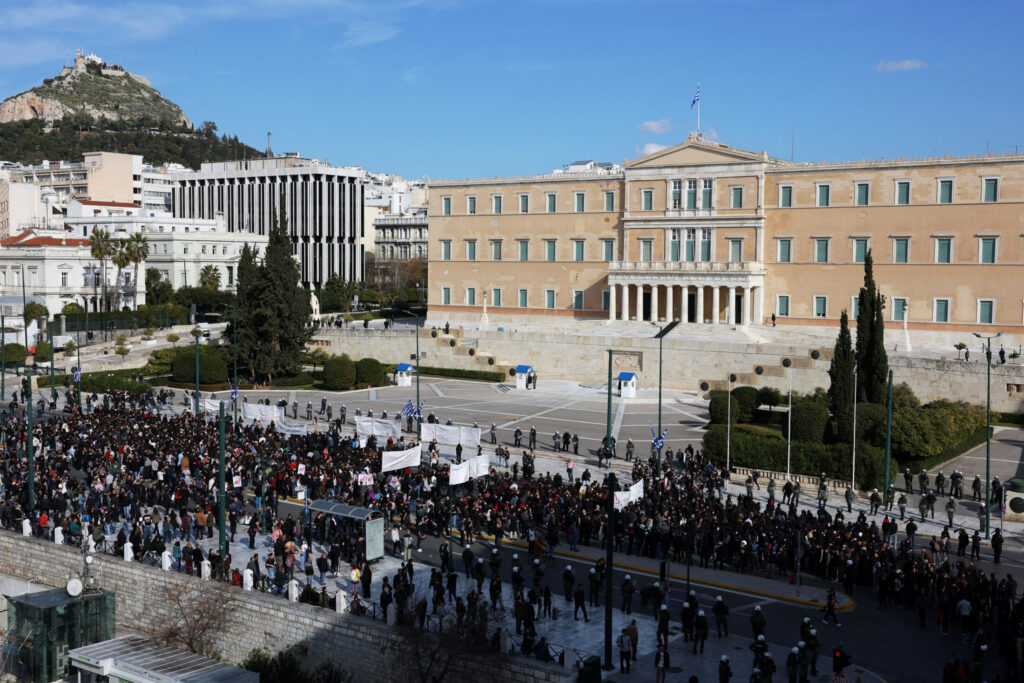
(258, 620)
(689, 364)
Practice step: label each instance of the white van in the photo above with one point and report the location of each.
(204, 328)
(60, 341)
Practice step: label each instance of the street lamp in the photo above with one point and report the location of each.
(788, 364)
(728, 428)
(661, 339)
(853, 457)
(988, 422)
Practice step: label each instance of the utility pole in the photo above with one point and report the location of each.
(234, 342)
(222, 494)
(609, 532)
(661, 340)
(53, 381)
(988, 428)
(888, 439)
(3, 358)
(419, 419)
(195, 333)
(78, 348)
(31, 455)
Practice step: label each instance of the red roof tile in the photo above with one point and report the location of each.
(89, 202)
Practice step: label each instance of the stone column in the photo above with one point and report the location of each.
(670, 313)
(611, 301)
(684, 305)
(759, 305)
(730, 307)
(716, 314)
(639, 303)
(654, 303)
(700, 305)
(625, 302)
(745, 308)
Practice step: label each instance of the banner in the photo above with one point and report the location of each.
(265, 414)
(621, 499)
(365, 426)
(290, 429)
(447, 435)
(469, 436)
(480, 465)
(210, 405)
(459, 473)
(636, 491)
(428, 432)
(236, 481)
(365, 479)
(397, 460)
(450, 434)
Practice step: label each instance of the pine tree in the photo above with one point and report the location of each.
(840, 391)
(872, 360)
(247, 299)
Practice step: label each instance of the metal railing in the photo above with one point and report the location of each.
(687, 266)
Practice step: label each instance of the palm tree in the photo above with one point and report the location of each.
(101, 247)
(138, 249)
(209, 277)
(121, 258)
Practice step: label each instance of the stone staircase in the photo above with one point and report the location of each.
(464, 349)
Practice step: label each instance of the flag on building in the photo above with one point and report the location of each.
(696, 97)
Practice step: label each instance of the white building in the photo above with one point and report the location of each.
(323, 206)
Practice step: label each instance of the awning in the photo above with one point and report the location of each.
(626, 376)
(142, 660)
(405, 367)
(524, 369)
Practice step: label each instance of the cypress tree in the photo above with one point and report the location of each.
(840, 391)
(872, 360)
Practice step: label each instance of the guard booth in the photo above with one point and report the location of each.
(363, 525)
(522, 372)
(627, 384)
(142, 660)
(403, 374)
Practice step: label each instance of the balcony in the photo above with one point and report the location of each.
(686, 266)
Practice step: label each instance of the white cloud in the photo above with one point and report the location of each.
(650, 148)
(656, 127)
(412, 74)
(367, 32)
(902, 65)
(710, 134)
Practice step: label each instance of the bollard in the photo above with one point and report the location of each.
(341, 602)
(26, 527)
(58, 536)
(165, 560)
(128, 554)
(204, 570)
(293, 590)
(247, 580)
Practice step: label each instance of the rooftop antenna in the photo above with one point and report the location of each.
(270, 152)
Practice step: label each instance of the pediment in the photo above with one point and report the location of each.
(695, 152)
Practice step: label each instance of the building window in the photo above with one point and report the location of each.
(705, 244)
(986, 311)
(577, 250)
(648, 200)
(579, 200)
(736, 251)
(577, 299)
(987, 250)
(496, 297)
(705, 199)
(471, 250)
(495, 250)
(691, 194)
(549, 298)
(944, 250)
(821, 251)
(446, 250)
(551, 198)
(677, 194)
(609, 200)
(646, 250)
(737, 197)
(496, 204)
(64, 278)
(991, 190)
(863, 190)
(945, 192)
(899, 308)
(903, 192)
(824, 194)
(785, 251)
(524, 250)
(785, 196)
(471, 296)
(184, 248)
(446, 295)
(446, 206)
(854, 306)
(691, 241)
(231, 276)
(782, 305)
(941, 311)
(901, 250)
(471, 205)
(860, 249)
(606, 300)
(820, 306)
(608, 250)
(674, 245)
(522, 298)
(524, 203)
(549, 250)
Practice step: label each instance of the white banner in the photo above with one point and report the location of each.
(365, 479)
(636, 491)
(428, 432)
(211, 406)
(290, 429)
(479, 466)
(265, 414)
(365, 426)
(397, 460)
(469, 436)
(236, 482)
(621, 499)
(459, 473)
(448, 435)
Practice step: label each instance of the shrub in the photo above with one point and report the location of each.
(871, 424)
(42, 352)
(370, 371)
(212, 367)
(69, 349)
(102, 382)
(769, 396)
(485, 375)
(809, 421)
(14, 354)
(719, 410)
(300, 380)
(160, 362)
(173, 338)
(746, 398)
(339, 373)
(147, 333)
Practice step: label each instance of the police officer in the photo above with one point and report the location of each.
(517, 437)
(924, 480)
(343, 415)
(568, 581)
(876, 501)
(533, 438)
(721, 612)
(849, 497)
(494, 433)
(309, 410)
(627, 589)
(330, 412)
(908, 480)
(950, 509)
(575, 444)
(295, 409)
(902, 503)
(940, 483)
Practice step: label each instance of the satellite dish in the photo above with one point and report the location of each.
(74, 587)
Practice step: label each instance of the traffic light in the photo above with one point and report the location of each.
(840, 660)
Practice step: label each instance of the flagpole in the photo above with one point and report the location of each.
(698, 107)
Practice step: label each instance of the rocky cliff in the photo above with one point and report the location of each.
(96, 89)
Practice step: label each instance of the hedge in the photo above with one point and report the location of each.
(191, 386)
(485, 375)
(339, 373)
(14, 353)
(719, 411)
(370, 371)
(809, 421)
(746, 398)
(302, 379)
(112, 380)
(212, 367)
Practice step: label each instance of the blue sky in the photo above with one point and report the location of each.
(457, 88)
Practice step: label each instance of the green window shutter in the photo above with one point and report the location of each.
(471, 251)
(944, 249)
(946, 192)
(677, 197)
(736, 251)
(446, 206)
(522, 298)
(578, 250)
(496, 297)
(706, 198)
(988, 250)
(549, 298)
(902, 193)
(675, 250)
(786, 198)
(645, 250)
(579, 202)
(985, 312)
(705, 250)
(784, 305)
(551, 203)
(648, 200)
(991, 189)
(862, 194)
(524, 203)
(821, 251)
(609, 250)
(737, 197)
(524, 251)
(446, 251)
(689, 250)
(823, 195)
(901, 251)
(549, 247)
(820, 306)
(942, 311)
(860, 249)
(855, 307)
(471, 205)
(691, 198)
(785, 251)
(609, 201)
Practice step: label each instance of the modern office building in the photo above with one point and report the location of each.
(709, 234)
(323, 206)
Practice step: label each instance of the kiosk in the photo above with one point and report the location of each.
(403, 374)
(627, 384)
(363, 525)
(522, 374)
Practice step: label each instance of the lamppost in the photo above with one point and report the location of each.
(661, 339)
(78, 349)
(53, 381)
(728, 428)
(3, 358)
(416, 416)
(853, 457)
(196, 333)
(609, 534)
(788, 364)
(221, 493)
(988, 424)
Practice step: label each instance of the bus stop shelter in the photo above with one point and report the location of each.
(142, 660)
(364, 524)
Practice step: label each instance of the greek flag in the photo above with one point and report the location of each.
(409, 409)
(418, 415)
(234, 391)
(696, 98)
(658, 442)
(77, 376)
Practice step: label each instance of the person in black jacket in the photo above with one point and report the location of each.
(661, 664)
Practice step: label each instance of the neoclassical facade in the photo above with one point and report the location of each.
(708, 234)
